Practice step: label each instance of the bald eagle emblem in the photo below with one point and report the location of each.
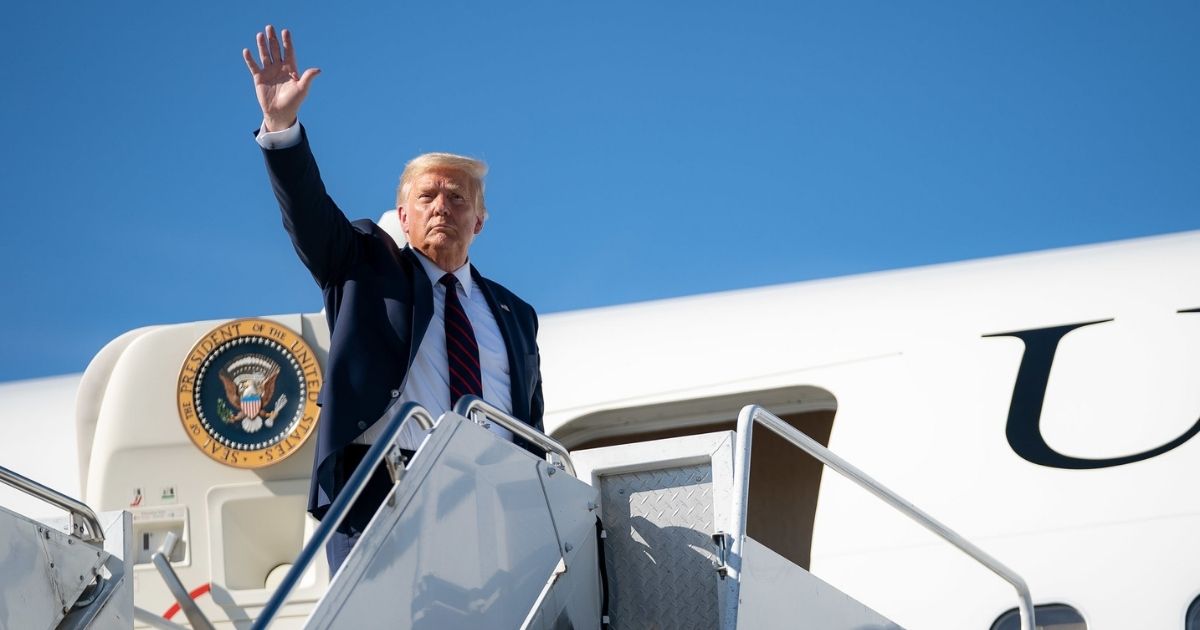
(249, 385)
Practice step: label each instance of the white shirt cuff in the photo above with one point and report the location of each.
(283, 139)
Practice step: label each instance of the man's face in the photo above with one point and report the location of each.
(439, 216)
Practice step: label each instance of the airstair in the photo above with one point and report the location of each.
(74, 572)
(479, 533)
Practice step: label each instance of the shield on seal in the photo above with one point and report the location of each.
(251, 404)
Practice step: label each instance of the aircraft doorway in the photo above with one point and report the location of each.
(784, 482)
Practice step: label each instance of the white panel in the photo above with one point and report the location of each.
(245, 549)
(42, 572)
(112, 608)
(1135, 574)
(775, 593)
(575, 596)
(37, 420)
(470, 542)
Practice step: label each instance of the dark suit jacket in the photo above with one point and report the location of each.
(378, 301)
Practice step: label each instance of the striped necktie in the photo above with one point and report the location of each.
(462, 351)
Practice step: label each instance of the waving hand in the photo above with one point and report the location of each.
(279, 85)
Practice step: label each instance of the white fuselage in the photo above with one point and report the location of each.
(920, 367)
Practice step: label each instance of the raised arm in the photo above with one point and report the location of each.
(321, 234)
(280, 87)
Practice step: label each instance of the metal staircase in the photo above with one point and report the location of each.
(68, 573)
(476, 533)
(764, 588)
(479, 533)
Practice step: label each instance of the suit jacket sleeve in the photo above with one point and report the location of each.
(537, 406)
(320, 232)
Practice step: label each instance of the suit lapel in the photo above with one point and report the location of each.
(504, 320)
(422, 303)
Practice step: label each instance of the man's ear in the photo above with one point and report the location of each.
(480, 217)
(403, 218)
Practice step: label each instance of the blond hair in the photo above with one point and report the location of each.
(472, 168)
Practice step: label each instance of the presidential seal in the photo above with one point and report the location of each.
(248, 393)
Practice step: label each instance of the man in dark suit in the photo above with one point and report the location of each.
(411, 323)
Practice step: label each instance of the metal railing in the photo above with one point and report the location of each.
(161, 559)
(741, 489)
(475, 408)
(382, 448)
(84, 523)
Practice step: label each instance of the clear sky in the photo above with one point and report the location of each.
(639, 150)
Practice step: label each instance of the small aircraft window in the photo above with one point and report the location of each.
(1193, 616)
(1049, 617)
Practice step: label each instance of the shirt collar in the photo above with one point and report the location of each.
(435, 272)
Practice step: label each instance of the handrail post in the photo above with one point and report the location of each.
(345, 499)
(751, 414)
(468, 406)
(84, 523)
(162, 563)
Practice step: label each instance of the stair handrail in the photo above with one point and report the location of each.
(474, 407)
(83, 521)
(751, 414)
(345, 499)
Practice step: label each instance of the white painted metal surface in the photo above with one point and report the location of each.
(52, 579)
(384, 452)
(128, 419)
(482, 412)
(45, 571)
(753, 415)
(81, 520)
(573, 598)
(477, 528)
(575, 595)
(37, 420)
(921, 398)
(112, 607)
(778, 595)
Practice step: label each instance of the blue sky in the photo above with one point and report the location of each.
(639, 150)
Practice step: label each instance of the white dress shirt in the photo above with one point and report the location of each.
(281, 139)
(428, 381)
